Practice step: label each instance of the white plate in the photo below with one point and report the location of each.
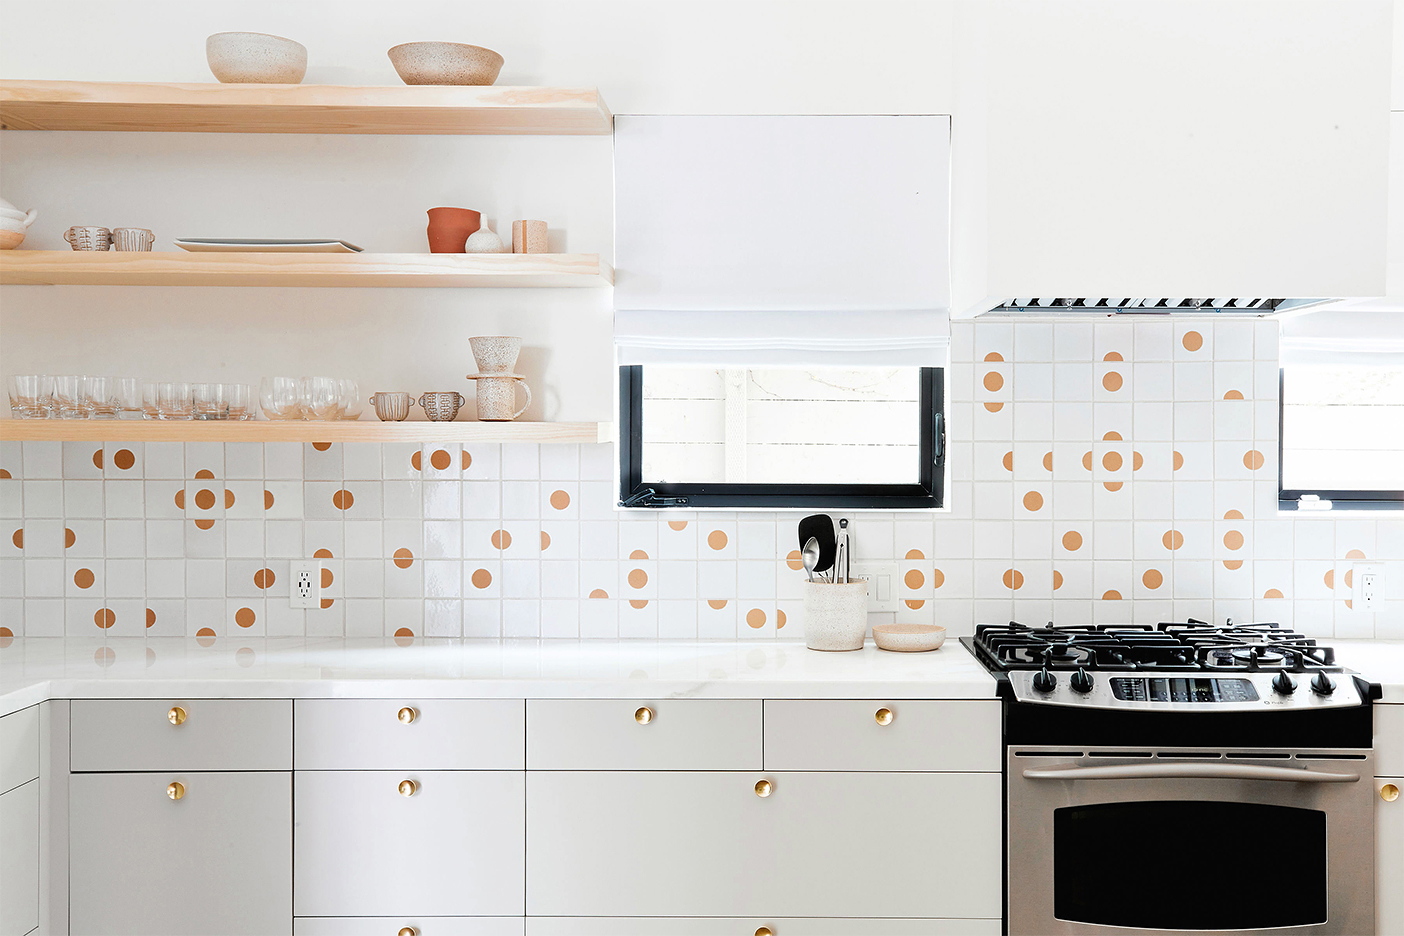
(248, 245)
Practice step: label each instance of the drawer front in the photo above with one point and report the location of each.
(452, 848)
(19, 748)
(213, 734)
(218, 860)
(749, 926)
(422, 926)
(19, 859)
(435, 734)
(1389, 858)
(899, 735)
(672, 734)
(638, 844)
(1389, 740)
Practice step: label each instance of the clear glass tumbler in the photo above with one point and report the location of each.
(68, 397)
(150, 399)
(208, 400)
(100, 397)
(31, 396)
(351, 400)
(278, 397)
(239, 399)
(173, 401)
(128, 394)
(318, 397)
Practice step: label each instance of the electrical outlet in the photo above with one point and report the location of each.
(1367, 581)
(882, 584)
(306, 581)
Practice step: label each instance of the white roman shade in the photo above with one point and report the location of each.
(1364, 338)
(783, 339)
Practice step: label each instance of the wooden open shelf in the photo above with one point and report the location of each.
(346, 430)
(180, 268)
(277, 108)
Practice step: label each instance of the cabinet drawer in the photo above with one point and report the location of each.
(673, 734)
(422, 926)
(19, 748)
(212, 734)
(437, 734)
(1389, 857)
(454, 847)
(19, 859)
(748, 926)
(656, 843)
(901, 735)
(1389, 740)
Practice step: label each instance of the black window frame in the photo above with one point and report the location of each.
(1290, 499)
(927, 493)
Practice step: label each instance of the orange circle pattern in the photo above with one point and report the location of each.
(1057, 580)
(322, 554)
(1013, 578)
(204, 499)
(677, 526)
(1112, 461)
(204, 474)
(1112, 381)
(124, 459)
(264, 578)
(228, 498)
(1173, 539)
(1272, 593)
(150, 618)
(993, 381)
(440, 459)
(1033, 501)
(69, 538)
(327, 578)
(321, 446)
(1253, 459)
(1008, 461)
(638, 578)
(1152, 579)
(794, 560)
(1072, 541)
(404, 558)
(599, 593)
(343, 499)
(245, 617)
(1047, 461)
(639, 555)
(1178, 461)
(717, 540)
(501, 539)
(204, 524)
(84, 578)
(914, 579)
(560, 500)
(716, 604)
(104, 618)
(755, 618)
(1111, 594)
(97, 459)
(267, 500)
(481, 578)
(938, 578)
(1233, 539)
(1192, 341)
(18, 539)
(417, 461)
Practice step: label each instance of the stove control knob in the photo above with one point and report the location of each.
(1081, 681)
(1323, 685)
(1045, 681)
(1283, 684)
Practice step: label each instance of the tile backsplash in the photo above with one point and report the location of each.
(1099, 472)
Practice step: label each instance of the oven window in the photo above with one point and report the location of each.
(1143, 865)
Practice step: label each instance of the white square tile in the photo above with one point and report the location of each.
(164, 460)
(1073, 381)
(1154, 341)
(1072, 341)
(521, 500)
(1265, 340)
(43, 498)
(1233, 419)
(82, 460)
(204, 457)
(1033, 341)
(321, 461)
(321, 539)
(1153, 421)
(441, 500)
(410, 535)
(597, 462)
(1194, 340)
(716, 580)
(42, 460)
(1072, 422)
(994, 338)
(1033, 422)
(125, 539)
(363, 539)
(243, 460)
(444, 578)
(1154, 381)
(366, 578)
(360, 461)
(521, 461)
(1194, 381)
(12, 499)
(1033, 381)
(404, 500)
(1111, 421)
(560, 462)
(1233, 340)
(283, 539)
(204, 578)
(82, 499)
(1113, 341)
(123, 499)
(600, 620)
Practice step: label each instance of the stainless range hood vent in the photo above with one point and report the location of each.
(1125, 306)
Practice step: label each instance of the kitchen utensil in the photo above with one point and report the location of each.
(391, 406)
(441, 406)
(496, 355)
(88, 237)
(908, 638)
(835, 616)
(445, 63)
(821, 527)
(250, 57)
(809, 554)
(841, 553)
(263, 245)
(132, 239)
(449, 228)
(31, 396)
(497, 395)
(529, 237)
(483, 240)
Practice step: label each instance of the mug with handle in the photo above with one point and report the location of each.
(391, 406)
(497, 396)
(441, 406)
(88, 237)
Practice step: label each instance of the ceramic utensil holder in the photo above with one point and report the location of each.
(441, 406)
(835, 616)
(89, 237)
(391, 406)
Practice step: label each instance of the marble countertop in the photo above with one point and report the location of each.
(34, 669)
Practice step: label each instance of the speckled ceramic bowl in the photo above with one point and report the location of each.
(445, 63)
(909, 638)
(247, 57)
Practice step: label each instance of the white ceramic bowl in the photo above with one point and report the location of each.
(909, 638)
(19, 224)
(247, 57)
(445, 63)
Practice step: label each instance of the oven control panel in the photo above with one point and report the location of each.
(1188, 691)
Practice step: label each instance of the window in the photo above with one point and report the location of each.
(698, 436)
(1342, 436)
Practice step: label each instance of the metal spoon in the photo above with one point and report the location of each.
(810, 555)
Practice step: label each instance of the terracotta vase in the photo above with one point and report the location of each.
(449, 228)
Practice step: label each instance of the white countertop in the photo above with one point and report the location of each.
(36, 668)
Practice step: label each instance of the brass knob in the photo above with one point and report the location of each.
(764, 788)
(884, 716)
(644, 715)
(407, 715)
(1389, 792)
(176, 716)
(408, 930)
(408, 787)
(176, 790)
(765, 931)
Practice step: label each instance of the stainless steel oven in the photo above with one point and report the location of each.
(1161, 840)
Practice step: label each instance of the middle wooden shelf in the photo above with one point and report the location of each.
(178, 268)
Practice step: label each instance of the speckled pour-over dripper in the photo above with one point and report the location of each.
(495, 355)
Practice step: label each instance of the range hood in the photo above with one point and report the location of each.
(1155, 306)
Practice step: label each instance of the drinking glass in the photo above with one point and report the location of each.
(351, 400)
(239, 399)
(278, 397)
(150, 399)
(100, 397)
(317, 397)
(68, 397)
(129, 400)
(31, 396)
(173, 400)
(208, 401)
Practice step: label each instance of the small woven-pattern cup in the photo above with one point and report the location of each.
(441, 406)
(89, 237)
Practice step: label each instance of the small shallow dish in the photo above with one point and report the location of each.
(255, 58)
(445, 63)
(909, 638)
(254, 245)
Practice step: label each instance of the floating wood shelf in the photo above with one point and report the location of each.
(179, 268)
(277, 108)
(346, 430)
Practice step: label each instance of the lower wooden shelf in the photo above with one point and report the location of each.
(346, 430)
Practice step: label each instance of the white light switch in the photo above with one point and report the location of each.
(882, 584)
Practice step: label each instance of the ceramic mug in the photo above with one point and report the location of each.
(81, 237)
(495, 354)
(391, 406)
(497, 396)
(132, 239)
(441, 406)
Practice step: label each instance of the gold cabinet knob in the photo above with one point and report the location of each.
(884, 716)
(176, 716)
(765, 931)
(764, 788)
(408, 931)
(1389, 792)
(407, 715)
(408, 787)
(176, 790)
(643, 715)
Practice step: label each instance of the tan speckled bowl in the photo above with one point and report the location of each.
(909, 638)
(255, 58)
(445, 63)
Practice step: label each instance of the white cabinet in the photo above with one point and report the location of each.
(749, 926)
(418, 925)
(216, 860)
(175, 734)
(19, 859)
(1389, 740)
(903, 735)
(632, 844)
(435, 734)
(672, 734)
(378, 843)
(19, 748)
(1389, 857)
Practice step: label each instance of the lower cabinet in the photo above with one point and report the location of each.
(19, 859)
(1389, 856)
(377, 843)
(417, 926)
(745, 844)
(196, 853)
(750, 926)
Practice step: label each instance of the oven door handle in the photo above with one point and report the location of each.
(1190, 770)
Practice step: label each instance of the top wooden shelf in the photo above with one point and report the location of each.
(278, 108)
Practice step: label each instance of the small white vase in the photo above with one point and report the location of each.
(484, 241)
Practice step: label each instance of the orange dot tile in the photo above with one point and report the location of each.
(124, 459)
(1112, 381)
(104, 618)
(994, 407)
(677, 526)
(599, 593)
(1087, 460)
(638, 578)
(1047, 461)
(1233, 395)
(993, 381)
(1356, 554)
(638, 555)
(404, 558)
(404, 637)
(1253, 459)
(915, 554)
(716, 539)
(97, 459)
(150, 618)
(84, 578)
(1008, 461)
(1233, 539)
(1111, 594)
(501, 539)
(1330, 578)
(467, 460)
(994, 356)
(18, 539)
(481, 578)
(245, 617)
(321, 446)
(1137, 461)
(545, 540)
(440, 459)
(343, 499)
(560, 500)
(1112, 461)
(1113, 356)
(1152, 578)
(267, 500)
(205, 499)
(755, 618)
(1233, 564)
(914, 579)
(327, 578)
(228, 498)
(1033, 501)
(938, 578)
(1112, 436)
(794, 560)
(1272, 593)
(205, 636)
(638, 604)
(1112, 485)
(322, 554)
(180, 498)
(1057, 580)
(264, 578)
(1173, 539)
(5, 473)
(204, 474)
(1072, 541)
(1013, 578)
(417, 461)
(1233, 515)
(204, 524)
(716, 604)
(1192, 341)
(327, 603)
(1178, 462)
(779, 619)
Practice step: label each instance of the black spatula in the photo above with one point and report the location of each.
(821, 527)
